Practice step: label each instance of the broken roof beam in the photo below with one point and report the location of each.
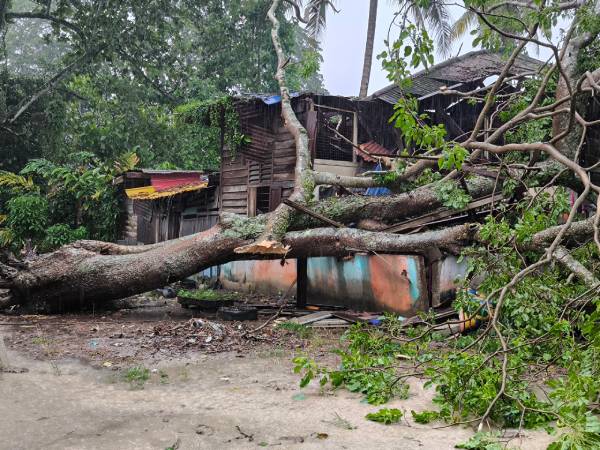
(313, 214)
(435, 216)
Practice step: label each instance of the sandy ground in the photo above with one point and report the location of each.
(246, 398)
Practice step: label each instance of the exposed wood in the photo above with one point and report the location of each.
(287, 144)
(275, 199)
(242, 188)
(436, 215)
(251, 201)
(330, 323)
(314, 317)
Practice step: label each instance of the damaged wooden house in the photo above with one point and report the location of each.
(347, 136)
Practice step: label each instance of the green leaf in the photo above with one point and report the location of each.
(385, 416)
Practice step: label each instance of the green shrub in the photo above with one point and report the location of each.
(27, 217)
(61, 234)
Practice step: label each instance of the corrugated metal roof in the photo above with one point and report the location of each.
(371, 150)
(162, 181)
(472, 66)
(169, 172)
(152, 193)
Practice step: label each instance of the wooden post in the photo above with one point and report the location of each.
(354, 135)
(302, 281)
(251, 201)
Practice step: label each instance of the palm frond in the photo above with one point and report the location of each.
(16, 182)
(434, 16)
(127, 161)
(6, 237)
(316, 15)
(462, 25)
(438, 18)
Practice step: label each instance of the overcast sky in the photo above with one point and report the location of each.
(343, 45)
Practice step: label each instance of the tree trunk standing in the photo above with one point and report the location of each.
(279, 219)
(368, 61)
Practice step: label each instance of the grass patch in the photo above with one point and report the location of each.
(137, 376)
(302, 331)
(40, 341)
(164, 377)
(207, 295)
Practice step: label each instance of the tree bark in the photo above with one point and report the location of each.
(84, 275)
(368, 61)
(563, 257)
(270, 241)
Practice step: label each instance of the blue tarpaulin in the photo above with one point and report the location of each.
(269, 99)
(378, 191)
(273, 99)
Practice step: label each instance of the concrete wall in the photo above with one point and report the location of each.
(338, 167)
(364, 282)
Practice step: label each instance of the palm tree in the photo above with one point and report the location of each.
(313, 15)
(368, 61)
(469, 19)
(433, 15)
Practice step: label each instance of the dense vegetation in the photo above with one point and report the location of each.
(138, 80)
(147, 87)
(533, 358)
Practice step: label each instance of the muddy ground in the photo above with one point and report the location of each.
(209, 387)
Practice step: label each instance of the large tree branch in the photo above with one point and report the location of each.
(50, 85)
(45, 16)
(75, 274)
(562, 255)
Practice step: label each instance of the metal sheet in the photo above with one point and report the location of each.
(152, 193)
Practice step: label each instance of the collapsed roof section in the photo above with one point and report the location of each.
(469, 68)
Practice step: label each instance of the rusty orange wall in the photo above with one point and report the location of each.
(364, 282)
(267, 277)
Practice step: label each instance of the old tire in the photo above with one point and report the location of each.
(237, 313)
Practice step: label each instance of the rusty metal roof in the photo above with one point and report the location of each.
(372, 150)
(472, 66)
(152, 193)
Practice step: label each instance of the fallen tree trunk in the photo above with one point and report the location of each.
(87, 274)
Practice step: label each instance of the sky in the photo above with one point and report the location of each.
(343, 45)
